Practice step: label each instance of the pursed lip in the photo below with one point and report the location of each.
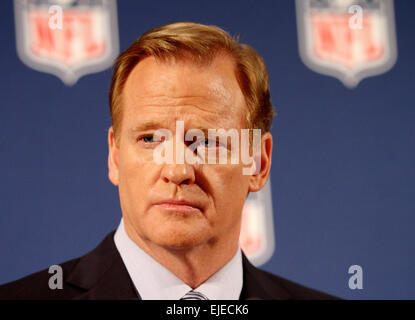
(177, 205)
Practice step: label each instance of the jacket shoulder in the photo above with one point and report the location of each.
(36, 286)
(98, 275)
(295, 290)
(262, 285)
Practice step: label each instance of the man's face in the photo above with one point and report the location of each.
(156, 95)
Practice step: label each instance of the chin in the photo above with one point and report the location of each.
(180, 237)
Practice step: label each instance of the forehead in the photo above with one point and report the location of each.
(181, 90)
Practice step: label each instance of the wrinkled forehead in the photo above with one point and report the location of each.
(157, 88)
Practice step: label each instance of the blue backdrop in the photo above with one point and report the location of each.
(343, 164)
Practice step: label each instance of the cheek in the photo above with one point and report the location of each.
(229, 189)
(133, 164)
(136, 175)
(230, 176)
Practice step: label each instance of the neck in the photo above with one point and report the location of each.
(193, 265)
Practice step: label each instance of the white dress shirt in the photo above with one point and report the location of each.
(154, 282)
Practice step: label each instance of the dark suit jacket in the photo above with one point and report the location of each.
(101, 275)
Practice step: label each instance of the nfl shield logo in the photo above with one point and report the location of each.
(347, 39)
(67, 38)
(257, 230)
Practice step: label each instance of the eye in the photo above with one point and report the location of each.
(210, 143)
(148, 138)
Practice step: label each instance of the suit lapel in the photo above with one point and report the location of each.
(257, 286)
(101, 274)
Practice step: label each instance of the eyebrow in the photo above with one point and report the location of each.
(152, 125)
(148, 125)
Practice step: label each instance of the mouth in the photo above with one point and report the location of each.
(178, 206)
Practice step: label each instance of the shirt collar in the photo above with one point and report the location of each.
(154, 282)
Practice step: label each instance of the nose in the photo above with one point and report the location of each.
(178, 174)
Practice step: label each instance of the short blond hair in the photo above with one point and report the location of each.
(199, 43)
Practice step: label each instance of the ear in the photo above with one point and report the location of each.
(258, 180)
(113, 173)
